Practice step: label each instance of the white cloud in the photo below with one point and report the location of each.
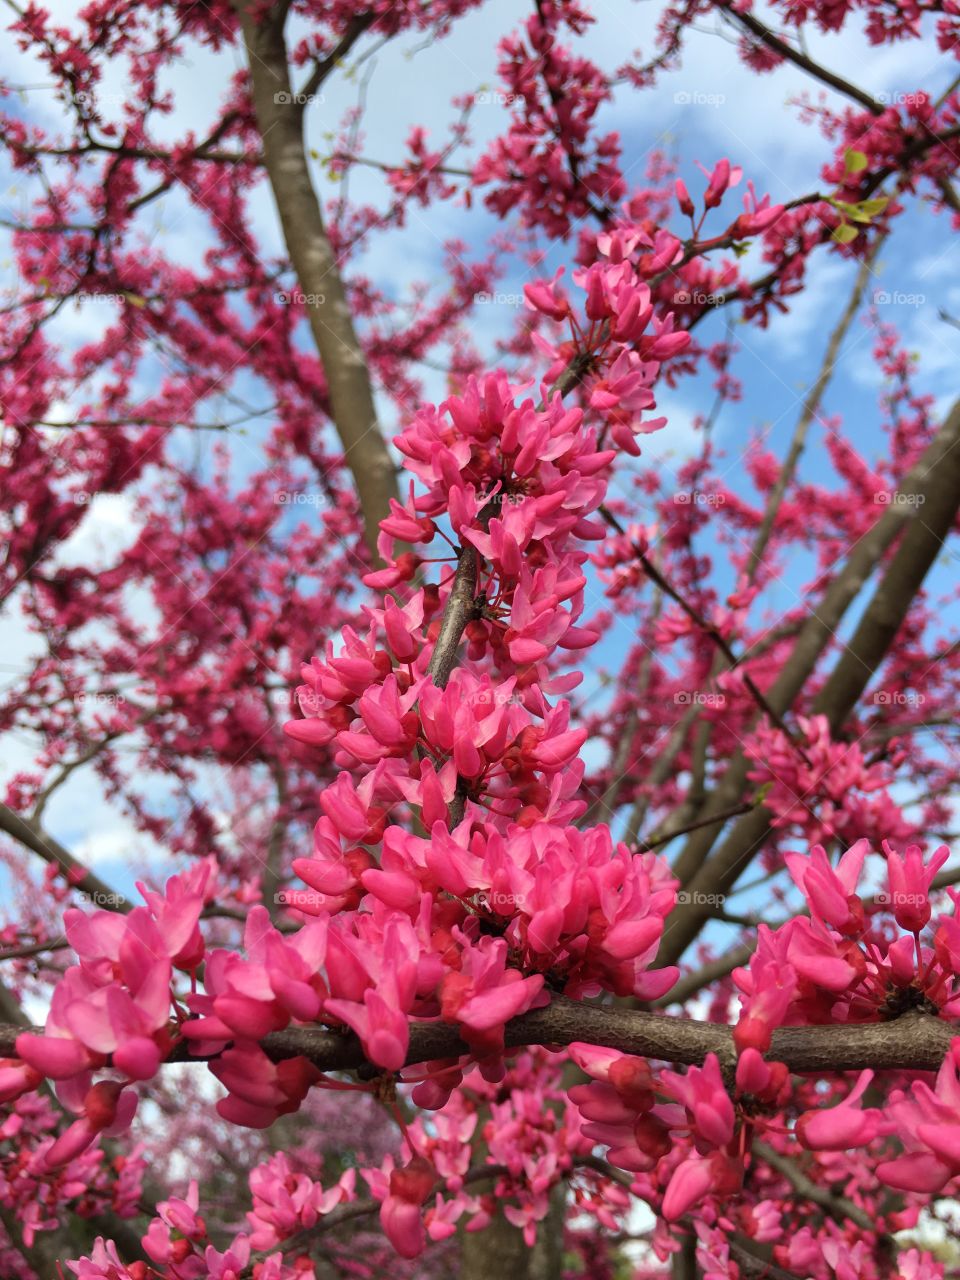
(111, 525)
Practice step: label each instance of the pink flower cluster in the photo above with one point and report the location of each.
(548, 163)
(502, 901)
(533, 1139)
(682, 1130)
(841, 964)
(37, 1190)
(112, 1009)
(447, 881)
(686, 1138)
(826, 791)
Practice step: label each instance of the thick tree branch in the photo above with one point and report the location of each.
(931, 498)
(280, 119)
(799, 59)
(913, 1042)
(692, 984)
(52, 851)
(460, 607)
(816, 634)
(895, 592)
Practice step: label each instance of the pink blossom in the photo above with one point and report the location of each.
(910, 881)
(840, 1127)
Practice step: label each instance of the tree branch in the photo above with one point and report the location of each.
(800, 59)
(360, 23)
(354, 414)
(895, 592)
(460, 607)
(934, 482)
(702, 624)
(913, 1042)
(836, 1206)
(52, 851)
(816, 634)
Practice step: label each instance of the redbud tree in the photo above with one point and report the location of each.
(535, 810)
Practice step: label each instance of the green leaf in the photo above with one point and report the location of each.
(844, 206)
(844, 234)
(864, 211)
(872, 207)
(855, 161)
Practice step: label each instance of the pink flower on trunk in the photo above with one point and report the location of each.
(702, 1091)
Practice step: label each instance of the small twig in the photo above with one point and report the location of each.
(654, 574)
(644, 846)
(836, 1206)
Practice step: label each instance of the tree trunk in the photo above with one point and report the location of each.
(500, 1253)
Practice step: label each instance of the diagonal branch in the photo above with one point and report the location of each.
(280, 120)
(931, 499)
(707, 627)
(799, 59)
(360, 23)
(820, 628)
(52, 851)
(838, 1207)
